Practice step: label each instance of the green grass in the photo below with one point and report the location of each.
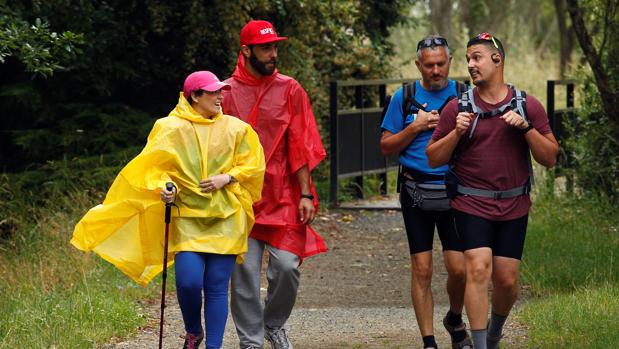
(570, 263)
(79, 314)
(52, 295)
(585, 318)
(572, 242)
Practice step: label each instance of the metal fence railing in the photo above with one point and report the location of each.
(559, 118)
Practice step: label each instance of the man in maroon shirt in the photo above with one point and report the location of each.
(489, 156)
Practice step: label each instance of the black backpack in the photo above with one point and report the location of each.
(466, 103)
(411, 106)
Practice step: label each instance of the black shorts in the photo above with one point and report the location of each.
(420, 226)
(505, 238)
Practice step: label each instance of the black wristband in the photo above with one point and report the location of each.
(307, 196)
(529, 128)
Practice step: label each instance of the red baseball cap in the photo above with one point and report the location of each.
(203, 80)
(259, 32)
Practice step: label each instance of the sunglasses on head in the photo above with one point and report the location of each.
(432, 42)
(488, 37)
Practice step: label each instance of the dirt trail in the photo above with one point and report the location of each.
(355, 296)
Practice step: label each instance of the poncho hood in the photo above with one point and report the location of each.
(185, 111)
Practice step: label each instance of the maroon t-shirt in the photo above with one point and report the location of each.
(495, 158)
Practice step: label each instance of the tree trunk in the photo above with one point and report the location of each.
(565, 41)
(608, 96)
(440, 18)
(498, 16)
(472, 14)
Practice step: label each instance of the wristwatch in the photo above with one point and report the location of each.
(307, 196)
(527, 129)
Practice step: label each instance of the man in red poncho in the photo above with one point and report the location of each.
(278, 108)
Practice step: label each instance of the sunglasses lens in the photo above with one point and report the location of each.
(431, 43)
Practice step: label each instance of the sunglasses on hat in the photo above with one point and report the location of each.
(488, 37)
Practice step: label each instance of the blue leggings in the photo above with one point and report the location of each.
(196, 271)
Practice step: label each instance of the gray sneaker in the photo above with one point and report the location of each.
(251, 347)
(277, 337)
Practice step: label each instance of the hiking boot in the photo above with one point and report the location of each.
(277, 337)
(466, 343)
(192, 341)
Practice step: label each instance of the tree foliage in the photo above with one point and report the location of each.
(136, 53)
(600, 50)
(595, 144)
(40, 50)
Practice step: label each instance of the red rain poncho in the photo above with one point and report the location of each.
(279, 110)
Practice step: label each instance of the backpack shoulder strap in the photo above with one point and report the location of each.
(409, 103)
(519, 105)
(408, 92)
(466, 103)
(520, 99)
(461, 88)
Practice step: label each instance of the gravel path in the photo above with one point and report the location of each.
(355, 296)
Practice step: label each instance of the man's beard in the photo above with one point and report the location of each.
(261, 67)
(438, 85)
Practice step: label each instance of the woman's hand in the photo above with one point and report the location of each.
(215, 182)
(168, 196)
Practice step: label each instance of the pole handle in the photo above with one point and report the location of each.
(168, 206)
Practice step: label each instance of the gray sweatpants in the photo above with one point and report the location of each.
(250, 317)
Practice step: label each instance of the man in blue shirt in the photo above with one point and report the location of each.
(407, 128)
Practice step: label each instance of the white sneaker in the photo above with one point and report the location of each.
(277, 337)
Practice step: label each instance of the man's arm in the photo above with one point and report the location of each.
(307, 212)
(544, 147)
(439, 152)
(393, 143)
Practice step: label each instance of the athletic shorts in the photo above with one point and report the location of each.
(420, 226)
(505, 238)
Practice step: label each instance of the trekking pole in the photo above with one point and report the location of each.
(168, 209)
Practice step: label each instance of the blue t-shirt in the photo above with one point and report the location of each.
(414, 155)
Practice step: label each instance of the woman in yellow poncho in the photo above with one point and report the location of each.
(217, 164)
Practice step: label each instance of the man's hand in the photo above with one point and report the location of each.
(307, 212)
(463, 122)
(513, 119)
(214, 183)
(425, 120)
(168, 196)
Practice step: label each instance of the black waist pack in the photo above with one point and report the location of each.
(427, 196)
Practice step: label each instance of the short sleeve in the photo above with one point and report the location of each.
(394, 120)
(537, 115)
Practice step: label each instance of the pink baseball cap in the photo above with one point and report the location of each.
(259, 32)
(203, 80)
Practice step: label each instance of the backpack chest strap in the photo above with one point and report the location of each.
(516, 104)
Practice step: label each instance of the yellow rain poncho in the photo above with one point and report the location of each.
(128, 228)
